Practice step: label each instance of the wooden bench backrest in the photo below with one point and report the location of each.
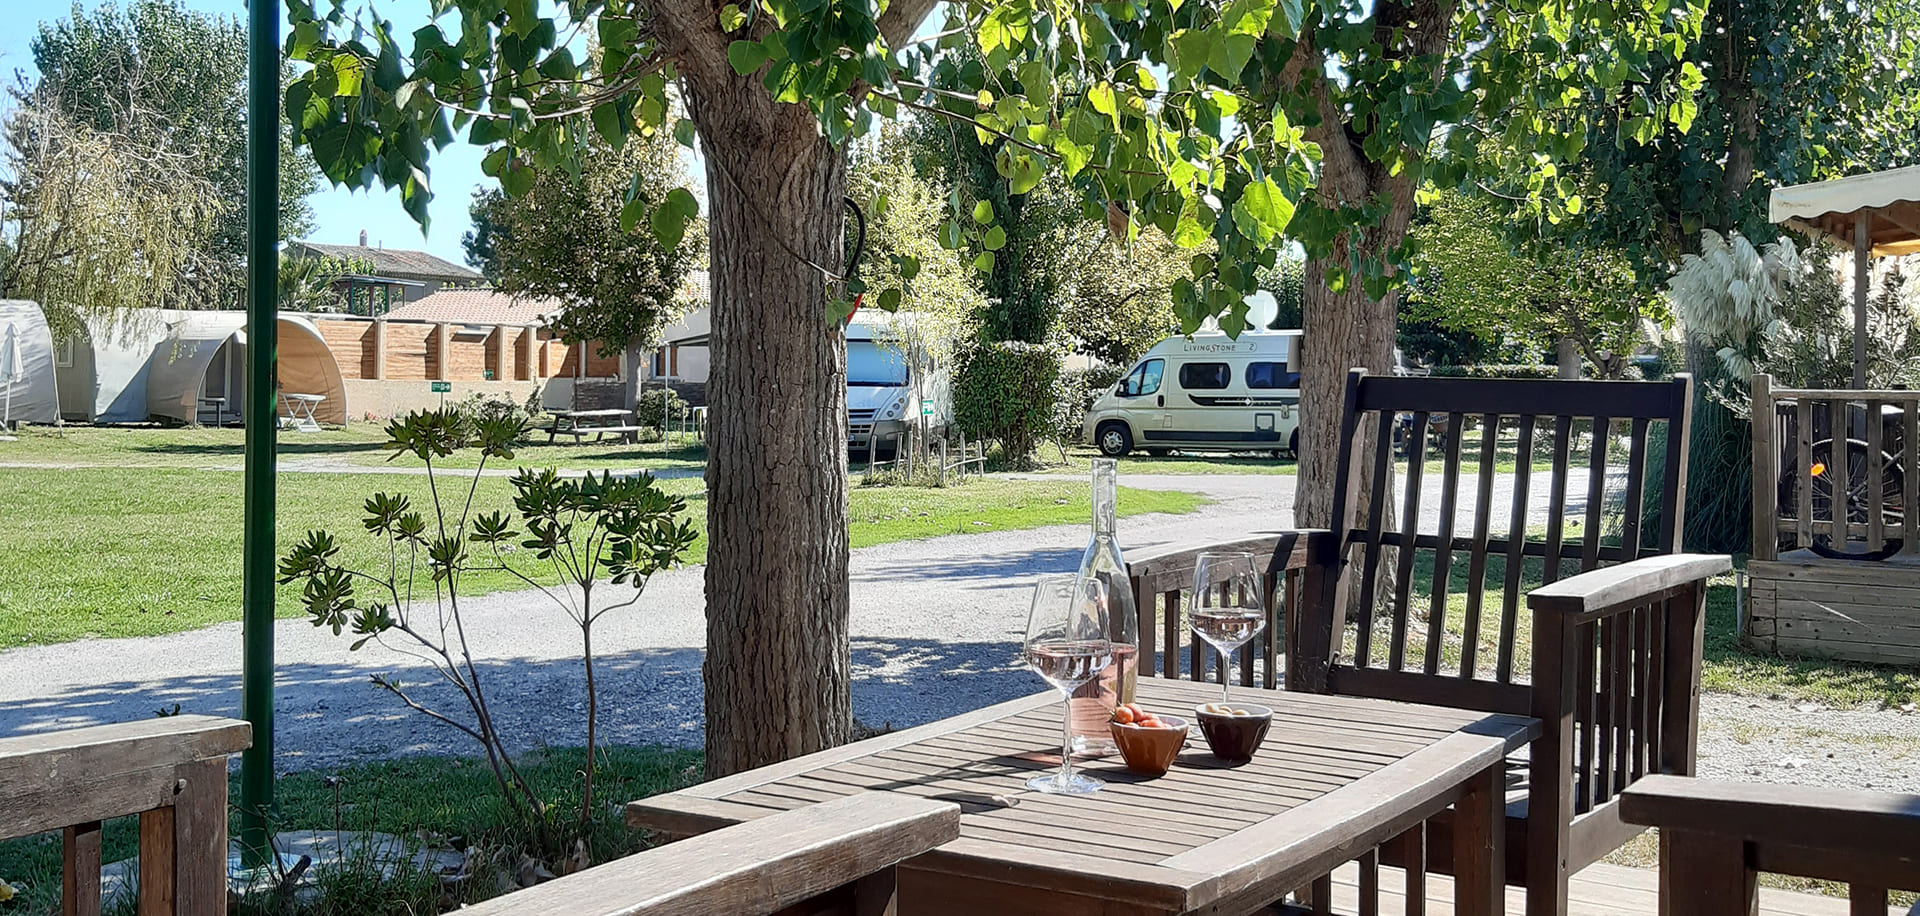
(1396, 645)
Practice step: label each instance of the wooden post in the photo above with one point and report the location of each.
(1686, 631)
(500, 371)
(1550, 790)
(1703, 874)
(1862, 251)
(80, 870)
(379, 334)
(442, 349)
(1766, 470)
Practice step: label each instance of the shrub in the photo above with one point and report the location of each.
(1005, 390)
(657, 406)
(1494, 370)
(478, 407)
(1074, 394)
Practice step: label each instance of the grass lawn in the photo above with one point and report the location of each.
(440, 796)
(133, 551)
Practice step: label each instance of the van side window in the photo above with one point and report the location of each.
(1144, 379)
(1271, 375)
(1205, 376)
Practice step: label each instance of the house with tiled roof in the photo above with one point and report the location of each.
(421, 274)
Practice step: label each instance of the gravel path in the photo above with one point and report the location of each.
(934, 626)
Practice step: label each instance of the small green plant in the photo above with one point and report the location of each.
(657, 407)
(572, 533)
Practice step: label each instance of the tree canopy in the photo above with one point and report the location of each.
(572, 236)
(1505, 285)
(160, 76)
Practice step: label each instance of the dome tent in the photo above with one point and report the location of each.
(205, 355)
(28, 391)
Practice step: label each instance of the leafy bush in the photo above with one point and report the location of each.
(657, 406)
(1005, 390)
(1515, 370)
(1074, 394)
(478, 408)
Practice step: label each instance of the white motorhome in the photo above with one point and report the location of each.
(1208, 392)
(891, 385)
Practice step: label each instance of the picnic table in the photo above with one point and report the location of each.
(1336, 777)
(598, 423)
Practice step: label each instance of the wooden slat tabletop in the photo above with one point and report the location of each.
(1183, 841)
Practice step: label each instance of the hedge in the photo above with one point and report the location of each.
(1005, 390)
(1519, 370)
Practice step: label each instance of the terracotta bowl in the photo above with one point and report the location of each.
(1150, 750)
(1235, 738)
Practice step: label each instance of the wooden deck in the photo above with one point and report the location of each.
(1598, 890)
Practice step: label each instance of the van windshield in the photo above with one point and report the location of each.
(872, 365)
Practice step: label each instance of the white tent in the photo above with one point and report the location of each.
(1874, 215)
(199, 370)
(28, 391)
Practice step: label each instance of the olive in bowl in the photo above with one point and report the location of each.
(1234, 731)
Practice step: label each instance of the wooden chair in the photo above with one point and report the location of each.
(1613, 646)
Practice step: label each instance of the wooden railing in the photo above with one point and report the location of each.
(1163, 579)
(1795, 466)
(833, 858)
(171, 771)
(1715, 837)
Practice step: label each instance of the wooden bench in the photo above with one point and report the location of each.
(836, 857)
(171, 771)
(1715, 836)
(1610, 661)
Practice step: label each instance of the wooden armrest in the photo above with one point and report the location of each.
(53, 779)
(1263, 546)
(1627, 583)
(753, 868)
(1836, 819)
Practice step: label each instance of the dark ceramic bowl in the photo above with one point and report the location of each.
(1150, 750)
(1235, 738)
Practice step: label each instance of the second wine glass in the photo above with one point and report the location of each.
(1067, 644)
(1227, 609)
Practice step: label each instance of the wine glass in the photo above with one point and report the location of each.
(1067, 644)
(1227, 610)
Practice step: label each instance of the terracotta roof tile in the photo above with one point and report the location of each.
(478, 305)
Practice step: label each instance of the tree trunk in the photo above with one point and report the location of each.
(1344, 330)
(777, 665)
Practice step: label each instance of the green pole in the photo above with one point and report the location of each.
(256, 598)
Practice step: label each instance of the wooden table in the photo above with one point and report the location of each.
(578, 423)
(1336, 777)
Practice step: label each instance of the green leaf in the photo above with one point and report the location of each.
(630, 214)
(731, 17)
(1100, 96)
(746, 56)
(1027, 172)
(683, 201)
(890, 299)
(1262, 212)
(1230, 55)
(608, 123)
(684, 132)
(983, 212)
(996, 239)
(347, 71)
(950, 237)
(517, 181)
(984, 262)
(669, 226)
(495, 161)
(908, 265)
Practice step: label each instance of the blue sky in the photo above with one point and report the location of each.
(338, 214)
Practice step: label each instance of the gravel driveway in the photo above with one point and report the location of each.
(934, 625)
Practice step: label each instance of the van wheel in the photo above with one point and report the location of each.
(1114, 440)
(1293, 444)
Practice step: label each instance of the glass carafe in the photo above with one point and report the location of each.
(1092, 704)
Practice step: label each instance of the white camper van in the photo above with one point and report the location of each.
(889, 390)
(1208, 392)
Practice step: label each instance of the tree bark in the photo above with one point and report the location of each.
(777, 665)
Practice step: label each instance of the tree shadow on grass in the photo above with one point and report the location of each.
(237, 449)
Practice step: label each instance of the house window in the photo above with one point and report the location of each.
(63, 354)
